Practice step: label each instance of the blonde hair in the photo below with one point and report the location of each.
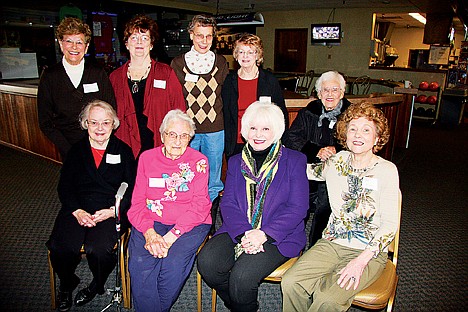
(269, 113)
(249, 40)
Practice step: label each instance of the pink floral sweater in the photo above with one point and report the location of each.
(171, 191)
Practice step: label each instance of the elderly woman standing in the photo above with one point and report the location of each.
(145, 89)
(312, 133)
(364, 192)
(263, 209)
(170, 215)
(245, 86)
(89, 179)
(66, 87)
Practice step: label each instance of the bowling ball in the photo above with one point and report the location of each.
(430, 112)
(420, 111)
(432, 99)
(421, 98)
(434, 86)
(424, 85)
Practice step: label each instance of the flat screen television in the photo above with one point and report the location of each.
(325, 34)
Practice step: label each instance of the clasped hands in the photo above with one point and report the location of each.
(157, 245)
(253, 241)
(84, 218)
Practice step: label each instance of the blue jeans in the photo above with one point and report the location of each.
(212, 146)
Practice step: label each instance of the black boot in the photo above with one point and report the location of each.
(84, 296)
(65, 300)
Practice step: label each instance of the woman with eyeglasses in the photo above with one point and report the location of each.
(67, 86)
(145, 89)
(170, 215)
(313, 133)
(248, 84)
(92, 173)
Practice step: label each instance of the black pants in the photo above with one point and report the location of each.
(320, 207)
(65, 243)
(236, 282)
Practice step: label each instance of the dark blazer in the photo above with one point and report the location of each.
(306, 136)
(268, 85)
(84, 186)
(286, 203)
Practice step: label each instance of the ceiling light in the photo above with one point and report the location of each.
(419, 17)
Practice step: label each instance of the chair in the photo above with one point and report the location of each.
(274, 277)
(303, 83)
(360, 85)
(381, 293)
(124, 274)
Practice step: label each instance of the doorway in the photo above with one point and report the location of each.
(291, 50)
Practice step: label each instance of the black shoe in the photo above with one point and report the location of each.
(84, 296)
(65, 300)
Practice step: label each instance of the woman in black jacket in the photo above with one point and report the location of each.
(247, 85)
(312, 132)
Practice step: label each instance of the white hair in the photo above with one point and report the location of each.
(269, 113)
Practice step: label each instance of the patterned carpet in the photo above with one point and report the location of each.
(432, 266)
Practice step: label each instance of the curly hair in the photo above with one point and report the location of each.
(110, 111)
(141, 24)
(252, 41)
(203, 21)
(73, 26)
(371, 113)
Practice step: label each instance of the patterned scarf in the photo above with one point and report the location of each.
(257, 184)
(330, 115)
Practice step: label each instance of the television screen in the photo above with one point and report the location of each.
(326, 34)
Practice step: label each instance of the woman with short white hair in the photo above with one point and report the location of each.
(263, 209)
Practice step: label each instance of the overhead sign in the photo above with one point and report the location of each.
(251, 18)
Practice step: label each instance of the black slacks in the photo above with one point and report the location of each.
(236, 282)
(320, 207)
(65, 243)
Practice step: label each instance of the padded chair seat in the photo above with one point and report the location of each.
(278, 273)
(376, 295)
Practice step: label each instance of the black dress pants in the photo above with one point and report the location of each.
(320, 207)
(65, 243)
(236, 282)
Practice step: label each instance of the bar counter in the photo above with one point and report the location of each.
(19, 127)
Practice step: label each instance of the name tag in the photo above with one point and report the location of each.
(161, 84)
(191, 77)
(157, 182)
(113, 159)
(370, 183)
(332, 123)
(265, 99)
(90, 87)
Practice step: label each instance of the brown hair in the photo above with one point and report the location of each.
(371, 113)
(141, 24)
(250, 40)
(73, 26)
(203, 21)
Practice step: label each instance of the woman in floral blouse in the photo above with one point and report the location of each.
(170, 215)
(363, 190)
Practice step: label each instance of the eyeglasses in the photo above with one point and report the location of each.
(137, 38)
(69, 42)
(249, 53)
(202, 36)
(104, 124)
(173, 136)
(334, 90)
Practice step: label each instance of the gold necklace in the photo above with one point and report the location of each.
(135, 87)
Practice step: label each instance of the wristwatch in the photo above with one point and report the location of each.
(176, 232)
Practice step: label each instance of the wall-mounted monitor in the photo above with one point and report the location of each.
(325, 34)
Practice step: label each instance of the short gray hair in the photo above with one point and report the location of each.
(177, 114)
(270, 113)
(83, 118)
(329, 76)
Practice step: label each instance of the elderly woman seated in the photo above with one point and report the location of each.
(263, 208)
(92, 173)
(363, 190)
(170, 214)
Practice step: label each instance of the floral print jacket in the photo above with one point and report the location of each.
(364, 202)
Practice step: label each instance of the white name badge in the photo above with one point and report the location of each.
(90, 87)
(332, 123)
(113, 159)
(370, 183)
(191, 77)
(265, 99)
(161, 84)
(157, 182)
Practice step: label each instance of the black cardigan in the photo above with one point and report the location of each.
(305, 135)
(268, 85)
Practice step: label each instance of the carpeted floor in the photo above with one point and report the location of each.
(432, 266)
